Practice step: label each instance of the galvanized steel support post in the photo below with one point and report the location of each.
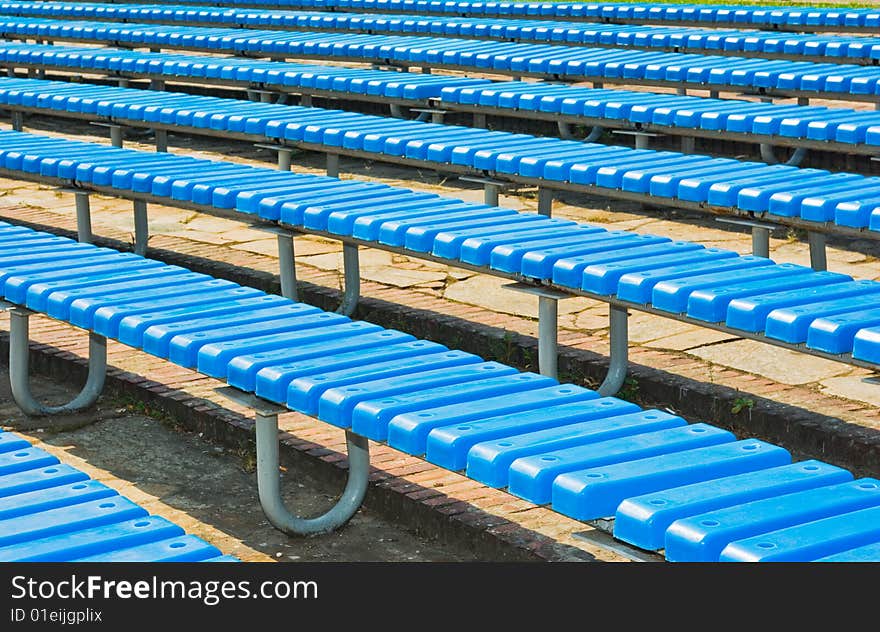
(17, 121)
(141, 228)
(619, 352)
(352, 279)
(161, 140)
(83, 217)
(545, 201)
(269, 484)
(333, 165)
(287, 266)
(761, 241)
(818, 257)
(548, 336)
(18, 370)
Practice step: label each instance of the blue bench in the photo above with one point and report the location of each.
(821, 201)
(52, 512)
(772, 77)
(770, 45)
(588, 457)
(827, 129)
(821, 313)
(805, 19)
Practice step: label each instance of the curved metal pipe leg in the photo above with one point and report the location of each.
(351, 271)
(18, 370)
(423, 117)
(595, 134)
(619, 352)
(565, 130)
(768, 155)
(269, 485)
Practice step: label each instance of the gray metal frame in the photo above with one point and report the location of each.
(19, 370)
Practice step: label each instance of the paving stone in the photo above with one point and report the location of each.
(781, 365)
(697, 337)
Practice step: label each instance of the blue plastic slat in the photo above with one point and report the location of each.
(806, 542)
(532, 477)
(184, 548)
(63, 547)
(643, 520)
(702, 538)
(596, 493)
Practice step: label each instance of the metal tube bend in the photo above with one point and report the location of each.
(18, 371)
(269, 486)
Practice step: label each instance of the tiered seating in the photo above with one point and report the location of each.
(831, 129)
(547, 442)
(691, 490)
(678, 39)
(806, 19)
(828, 313)
(783, 193)
(52, 512)
(852, 82)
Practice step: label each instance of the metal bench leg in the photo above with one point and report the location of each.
(83, 217)
(480, 120)
(545, 201)
(688, 144)
(157, 84)
(396, 110)
(818, 259)
(548, 336)
(116, 135)
(803, 101)
(333, 165)
(768, 155)
(760, 241)
(305, 100)
(595, 134)
(565, 132)
(619, 358)
(490, 194)
(17, 121)
(681, 91)
(18, 370)
(284, 156)
(161, 140)
(352, 276)
(141, 228)
(122, 82)
(269, 484)
(287, 266)
(642, 141)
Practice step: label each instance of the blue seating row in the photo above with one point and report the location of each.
(840, 129)
(811, 47)
(692, 489)
(827, 313)
(780, 192)
(798, 18)
(52, 512)
(847, 81)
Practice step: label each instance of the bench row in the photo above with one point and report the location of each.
(840, 81)
(52, 512)
(820, 312)
(841, 19)
(806, 47)
(831, 129)
(779, 193)
(692, 489)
